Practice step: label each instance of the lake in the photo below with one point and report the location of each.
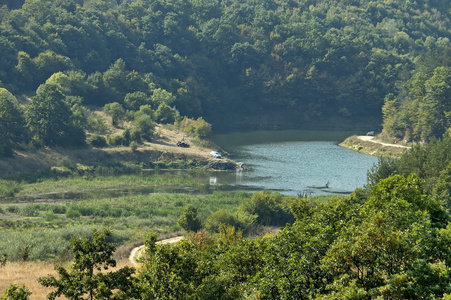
(295, 161)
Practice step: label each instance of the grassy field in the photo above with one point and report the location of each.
(45, 215)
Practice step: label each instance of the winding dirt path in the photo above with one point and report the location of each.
(371, 139)
(136, 252)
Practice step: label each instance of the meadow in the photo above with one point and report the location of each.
(37, 219)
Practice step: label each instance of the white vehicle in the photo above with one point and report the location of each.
(215, 154)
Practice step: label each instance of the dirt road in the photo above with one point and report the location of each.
(371, 139)
(136, 252)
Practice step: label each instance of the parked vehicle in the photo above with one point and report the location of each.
(215, 154)
(182, 144)
(370, 133)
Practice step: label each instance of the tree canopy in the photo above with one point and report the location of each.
(275, 63)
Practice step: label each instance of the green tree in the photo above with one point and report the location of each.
(14, 292)
(49, 118)
(161, 96)
(442, 189)
(134, 101)
(12, 122)
(270, 208)
(48, 63)
(115, 111)
(115, 80)
(189, 219)
(25, 69)
(166, 114)
(87, 277)
(143, 128)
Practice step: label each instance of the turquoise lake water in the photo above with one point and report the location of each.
(294, 162)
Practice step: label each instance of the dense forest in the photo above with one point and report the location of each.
(238, 64)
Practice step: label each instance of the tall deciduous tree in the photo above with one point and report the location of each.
(49, 118)
(12, 122)
(115, 111)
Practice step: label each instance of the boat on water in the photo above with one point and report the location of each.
(326, 186)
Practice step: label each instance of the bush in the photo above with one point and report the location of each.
(73, 214)
(30, 211)
(97, 124)
(117, 140)
(85, 170)
(97, 141)
(8, 188)
(221, 217)
(189, 219)
(143, 128)
(58, 209)
(196, 128)
(61, 171)
(133, 146)
(13, 209)
(17, 292)
(270, 208)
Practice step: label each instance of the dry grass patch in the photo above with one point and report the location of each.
(28, 274)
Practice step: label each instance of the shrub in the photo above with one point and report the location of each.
(189, 219)
(134, 146)
(196, 128)
(17, 292)
(97, 141)
(8, 188)
(117, 140)
(97, 124)
(61, 171)
(221, 217)
(73, 213)
(30, 211)
(143, 128)
(13, 209)
(58, 209)
(270, 208)
(85, 170)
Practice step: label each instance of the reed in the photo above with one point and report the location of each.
(46, 228)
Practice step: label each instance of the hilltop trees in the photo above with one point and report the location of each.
(49, 118)
(12, 122)
(301, 60)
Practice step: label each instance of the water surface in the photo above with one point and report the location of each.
(296, 161)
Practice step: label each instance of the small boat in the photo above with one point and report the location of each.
(326, 186)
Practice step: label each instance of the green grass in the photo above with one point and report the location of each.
(50, 226)
(104, 182)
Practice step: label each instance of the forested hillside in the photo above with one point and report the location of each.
(239, 64)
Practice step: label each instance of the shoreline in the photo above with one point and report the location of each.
(372, 146)
(161, 154)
